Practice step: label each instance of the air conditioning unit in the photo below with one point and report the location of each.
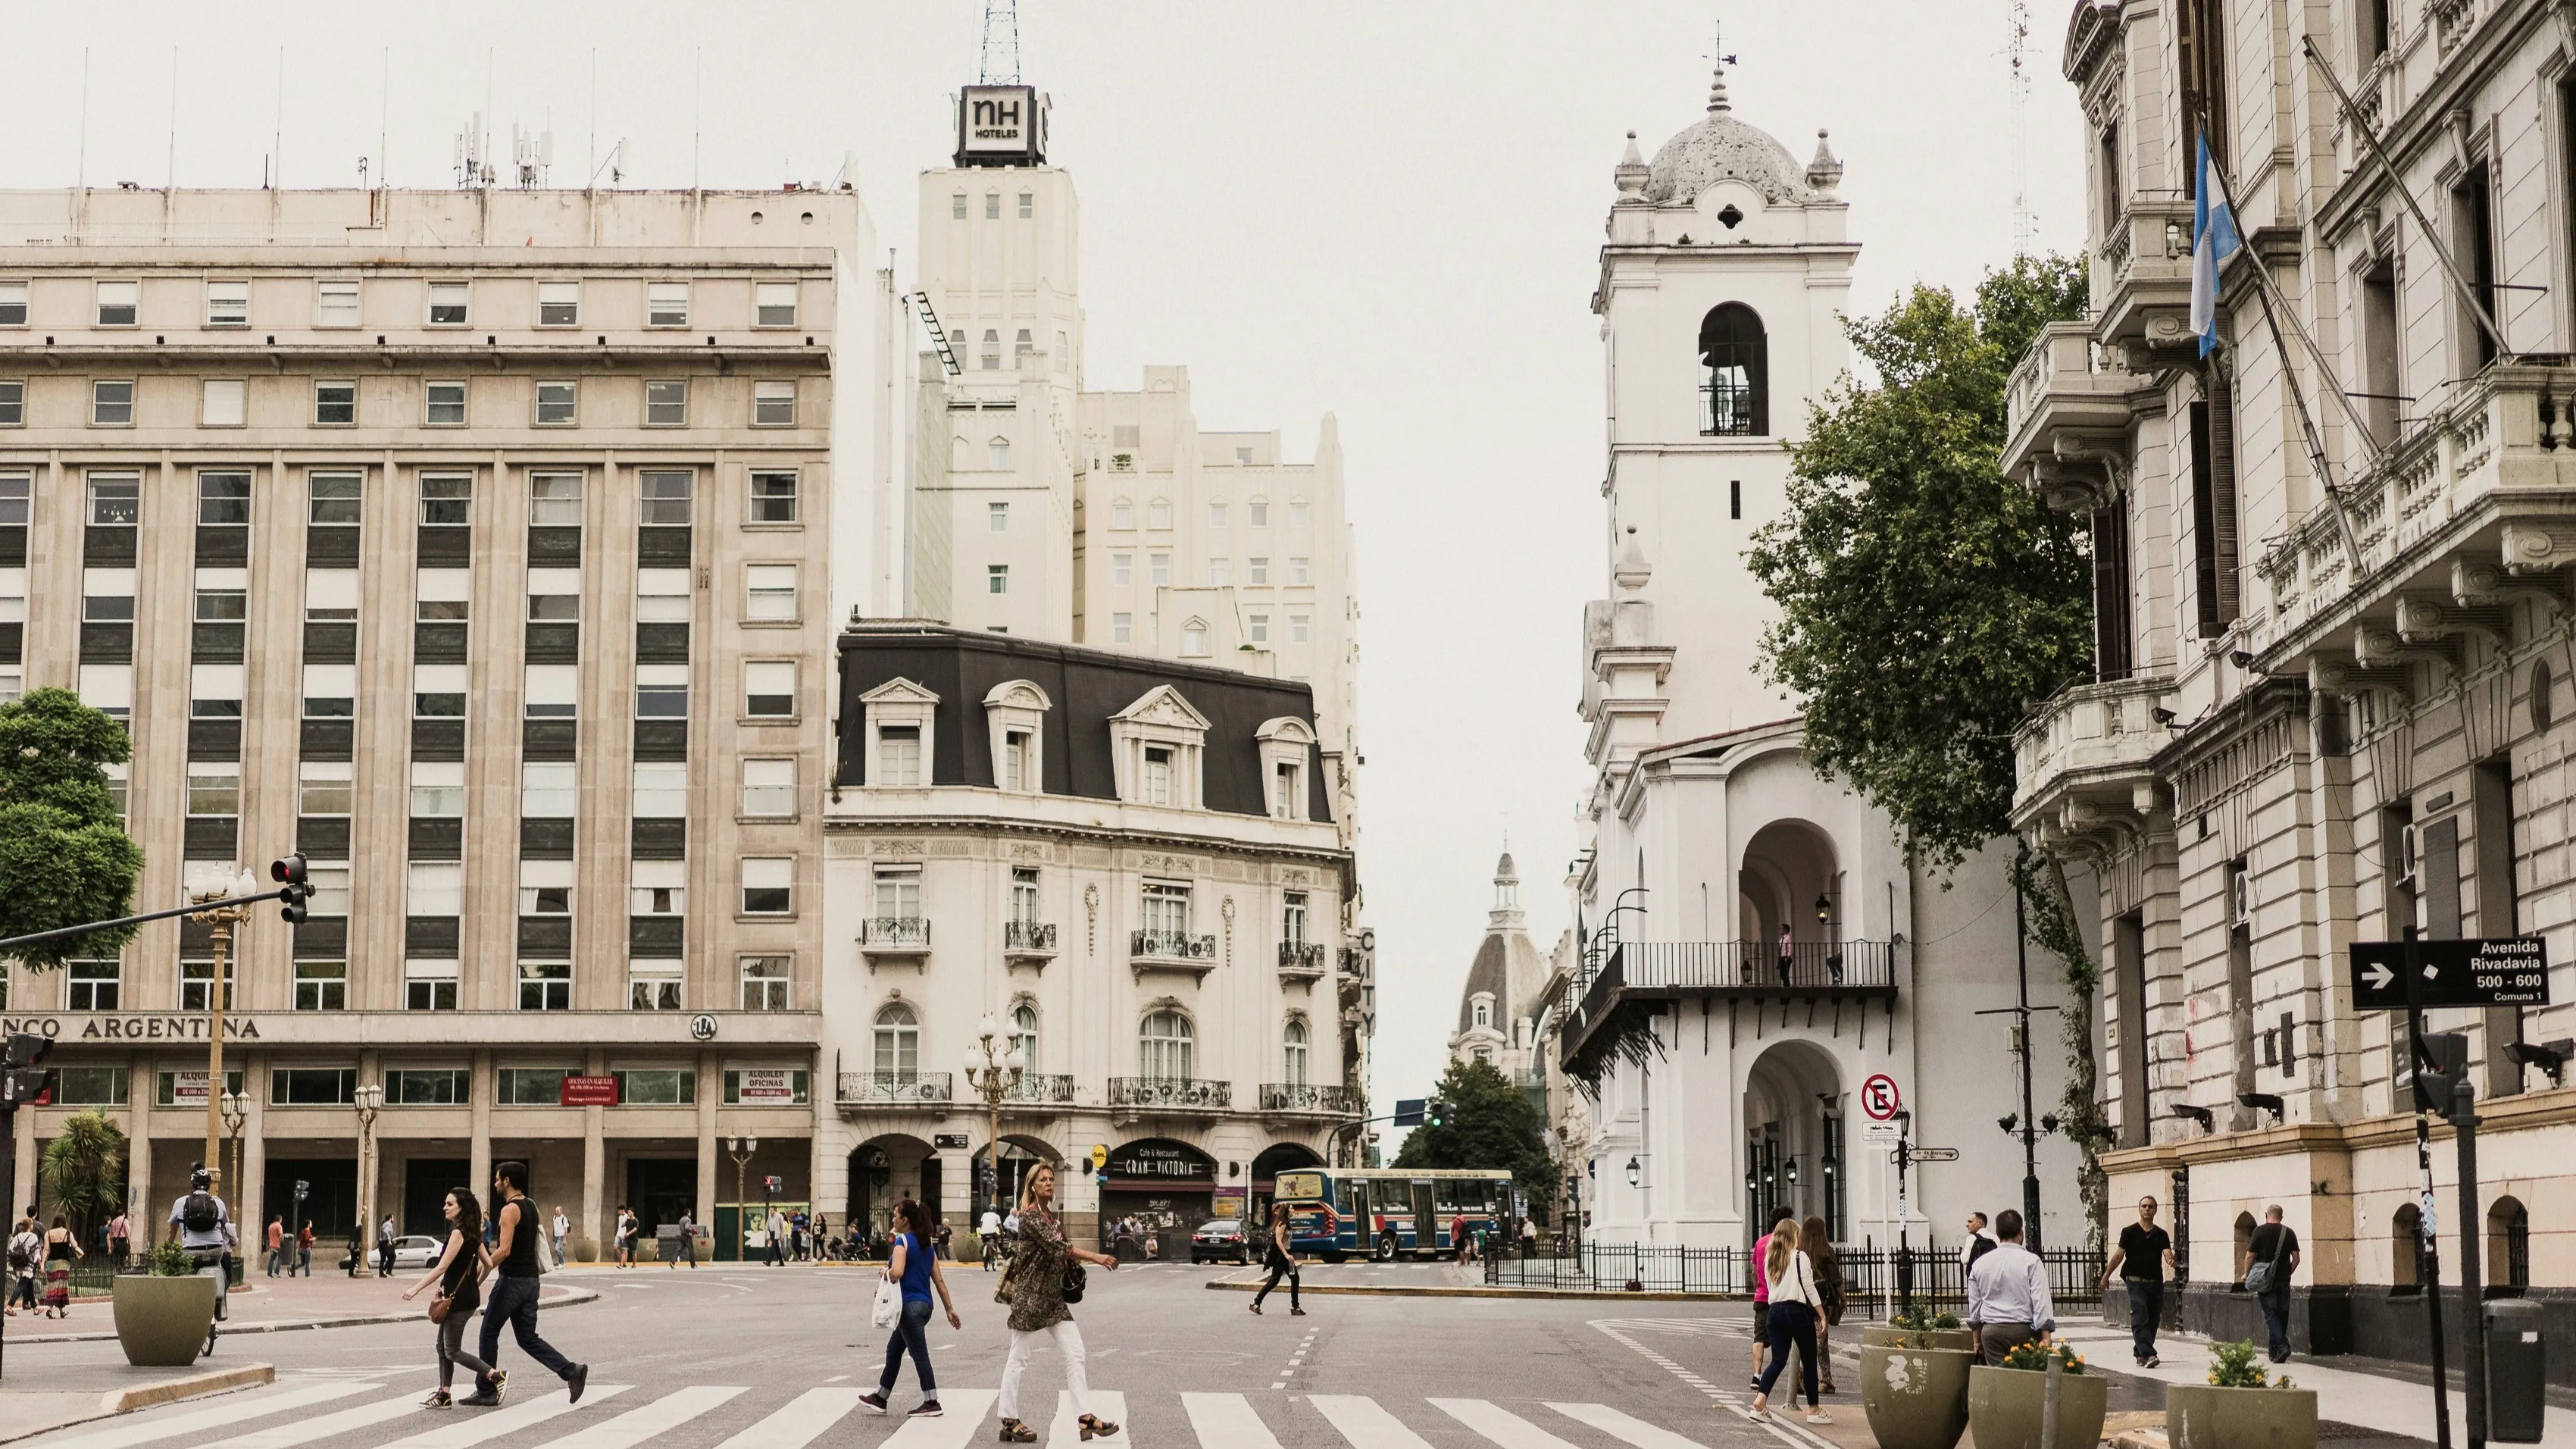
(2406, 848)
(2240, 896)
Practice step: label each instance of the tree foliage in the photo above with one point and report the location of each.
(64, 855)
(1924, 598)
(84, 1171)
(1490, 1123)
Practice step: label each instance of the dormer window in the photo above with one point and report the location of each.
(898, 714)
(1194, 639)
(899, 756)
(1015, 760)
(1156, 786)
(1287, 742)
(1157, 746)
(1014, 720)
(1484, 1012)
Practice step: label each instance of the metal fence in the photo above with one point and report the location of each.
(1875, 1279)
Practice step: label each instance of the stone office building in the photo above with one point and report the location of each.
(477, 545)
(2332, 696)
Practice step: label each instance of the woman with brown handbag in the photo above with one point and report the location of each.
(459, 1276)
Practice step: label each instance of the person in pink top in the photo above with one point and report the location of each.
(1762, 1293)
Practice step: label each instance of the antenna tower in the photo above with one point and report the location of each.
(1001, 43)
(2018, 54)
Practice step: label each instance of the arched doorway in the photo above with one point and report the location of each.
(1158, 1190)
(1790, 880)
(1794, 1152)
(2508, 1247)
(1274, 1160)
(1019, 1154)
(885, 1170)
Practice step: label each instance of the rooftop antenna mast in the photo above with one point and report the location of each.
(1001, 43)
(2017, 55)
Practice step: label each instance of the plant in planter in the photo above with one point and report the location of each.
(164, 1314)
(2241, 1407)
(2008, 1402)
(1921, 1327)
(1914, 1381)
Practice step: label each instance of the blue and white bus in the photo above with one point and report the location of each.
(1387, 1212)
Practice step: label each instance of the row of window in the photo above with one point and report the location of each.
(114, 498)
(1220, 571)
(1163, 906)
(1028, 206)
(119, 303)
(429, 1086)
(548, 790)
(1195, 634)
(548, 691)
(1158, 513)
(225, 403)
(1166, 1044)
(430, 985)
(990, 360)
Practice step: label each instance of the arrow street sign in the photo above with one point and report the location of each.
(2491, 971)
(1936, 1154)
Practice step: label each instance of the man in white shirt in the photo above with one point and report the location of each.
(988, 1235)
(205, 1229)
(562, 1227)
(777, 1238)
(2008, 1294)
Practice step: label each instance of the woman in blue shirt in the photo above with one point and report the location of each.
(916, 1267)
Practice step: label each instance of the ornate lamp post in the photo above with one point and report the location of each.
(236, 1113)
(993, 1068)
(222, 917)
(741, 1150)
(368, 1100)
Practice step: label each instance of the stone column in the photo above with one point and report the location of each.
(481, 1091)
(710, 1146)
(594, 1162)
(138, 1151)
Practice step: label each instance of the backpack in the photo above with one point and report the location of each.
(18, 1252)
(201, 1213)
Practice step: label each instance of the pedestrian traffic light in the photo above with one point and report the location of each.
(2441, 1064)
(295, 886)
(22, 1082)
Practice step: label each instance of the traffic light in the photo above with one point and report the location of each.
(1435, 1113)
(2441, 1064)
(295, 886)
(22, 1082)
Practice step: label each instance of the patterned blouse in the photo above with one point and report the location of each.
(1037, 1273)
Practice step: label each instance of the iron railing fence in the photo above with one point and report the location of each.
(1873, 1277)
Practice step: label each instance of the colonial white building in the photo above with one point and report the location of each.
(2332, 701)
(1729, 1065)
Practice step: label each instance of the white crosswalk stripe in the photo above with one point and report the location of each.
(1107, 1404)
(800, 1423)
(1366, 1423)
(257, 1404)
(1501, 1425)
(637, 1425)
(963, 1422)
(1622, 1428)
(1227, 1419)
(474, 1427)
(307, 1431)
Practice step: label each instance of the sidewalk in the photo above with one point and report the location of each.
(272, 1305)
(77, 1394)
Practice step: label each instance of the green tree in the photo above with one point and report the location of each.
(64, 855)
(1489, 1123)
(1926, 600)
(84, 1171)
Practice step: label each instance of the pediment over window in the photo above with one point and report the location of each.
(1287, 729)
(1164, 708)
(1017, 694)
(899, 691)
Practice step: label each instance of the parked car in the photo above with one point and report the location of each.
(416, 1252)
(1218, 1240)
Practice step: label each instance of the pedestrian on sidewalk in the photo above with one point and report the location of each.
(1281, 1263)
(304, 1248)
(776, 1230)
(1795, 1305)
(120, 1241)
(2142, 1259)
(24, 1244)
(623, 1243)
(459, 1276)
(913, 1265)
(513, 1260)
(2008, 1294)
(988, 1237)
(1975, 1245)
(357, 1259)
(61, 1247)
(2271, 1256)
(1035, 1284)
(1529, 1237)
(1762, 1293)
(277, 1245)
(563, 1229)
(939, 1241)
(688, 1241)
(1828, 1268)
(385, 1247)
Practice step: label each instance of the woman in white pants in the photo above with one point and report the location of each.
(1034, 1288)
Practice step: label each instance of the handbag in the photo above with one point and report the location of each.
(1075, 1278)
(2258, 1278)
(439, 1308)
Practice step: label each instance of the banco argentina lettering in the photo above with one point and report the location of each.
(129, 1028)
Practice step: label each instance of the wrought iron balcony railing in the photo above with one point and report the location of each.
(1327, 1100)
(896, 1089)
(1184, 1093)
(894, 933)
(1054, 1089)
(1173, 946)
(1032, 937)
(1301, 958)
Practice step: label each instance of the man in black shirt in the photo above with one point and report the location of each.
(513, 1260)
(2274, 1249)
(2143, 1258)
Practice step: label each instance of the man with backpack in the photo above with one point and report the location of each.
(23, 1246)
(205, 1229)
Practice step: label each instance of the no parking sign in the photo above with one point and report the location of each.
(1880, 1099)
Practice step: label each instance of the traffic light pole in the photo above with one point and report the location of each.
(2430, 1271)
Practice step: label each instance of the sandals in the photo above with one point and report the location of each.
(1096, 1427)
(1015, 1432)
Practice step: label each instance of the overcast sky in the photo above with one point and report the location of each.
(1388, 212)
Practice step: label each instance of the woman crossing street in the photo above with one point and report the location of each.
(1281, 1263)
(916, 1267)
(459, 1276)
(1040, 1262)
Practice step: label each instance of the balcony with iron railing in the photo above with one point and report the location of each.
(1309, 1099)
(1041, 1089)
(894, 936)
(1301, 960)
(1171, 951)
(1031, 941)
(863, 1090)
(1170, 1094)
(1631, 979)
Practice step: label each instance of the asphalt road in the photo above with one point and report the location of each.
(751, 1358)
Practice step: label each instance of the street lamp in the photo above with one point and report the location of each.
(1636, 1172)
(212, 887)
(368, 1100)
(741, 1150)
(235, 1107)
(993, 1068)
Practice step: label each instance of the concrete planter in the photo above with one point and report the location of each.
(2006, 1407)
(2200, 1417)
(162, 1322)
(1883, 1337)
(1915, 1398)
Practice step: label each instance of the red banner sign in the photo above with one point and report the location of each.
(590, 1091)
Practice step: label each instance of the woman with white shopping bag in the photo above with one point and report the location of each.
(903, 1305)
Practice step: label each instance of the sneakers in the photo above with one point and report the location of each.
(480, 1401)
(1819, 1416)
(2152, 1361)
(873, 1403)
(500, 1381)
(926, 1409)
(1256, 1308)
(1296, 1312)
(579, 1378)
(438, 1399)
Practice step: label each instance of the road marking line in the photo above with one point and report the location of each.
(801, 1422)
(1499, 1424)
(1067, 1429)
(473, 1429)
(964, 1420)
(1365, 1424)
(305, 1431)
(1228, 1419)
(249, 1406)
(1626, 1430)
(639, 1424)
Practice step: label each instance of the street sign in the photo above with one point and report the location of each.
(1880, 1131)
(1409, 1110)
(1099, 1156)
(2489, 971)
(1879, 1098)
(1936, 1154)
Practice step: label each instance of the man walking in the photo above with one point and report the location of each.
(777, 1232)
(2008, 1294)
(513, 1261)
(2143, 1258)
(563, 1227)
(276, 1242)
(688, 1240)
(2271, 1256)
(385, 1247)
(1976, 1245)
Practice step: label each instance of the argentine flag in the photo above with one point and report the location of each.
(2213, 240)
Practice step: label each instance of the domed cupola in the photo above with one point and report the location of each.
(1723, 148)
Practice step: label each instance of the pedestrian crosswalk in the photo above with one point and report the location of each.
(385, 1413)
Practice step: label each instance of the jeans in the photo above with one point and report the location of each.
(514, 1301)
(1279, 1268)
(2276, 1322)
(1068, 1340)
(2146, 1309)
(1792, 1325)
(451, 1342)
(911, 1335)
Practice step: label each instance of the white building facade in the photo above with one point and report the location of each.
(1758, 947)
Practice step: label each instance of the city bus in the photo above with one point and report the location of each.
(1387, 1212)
